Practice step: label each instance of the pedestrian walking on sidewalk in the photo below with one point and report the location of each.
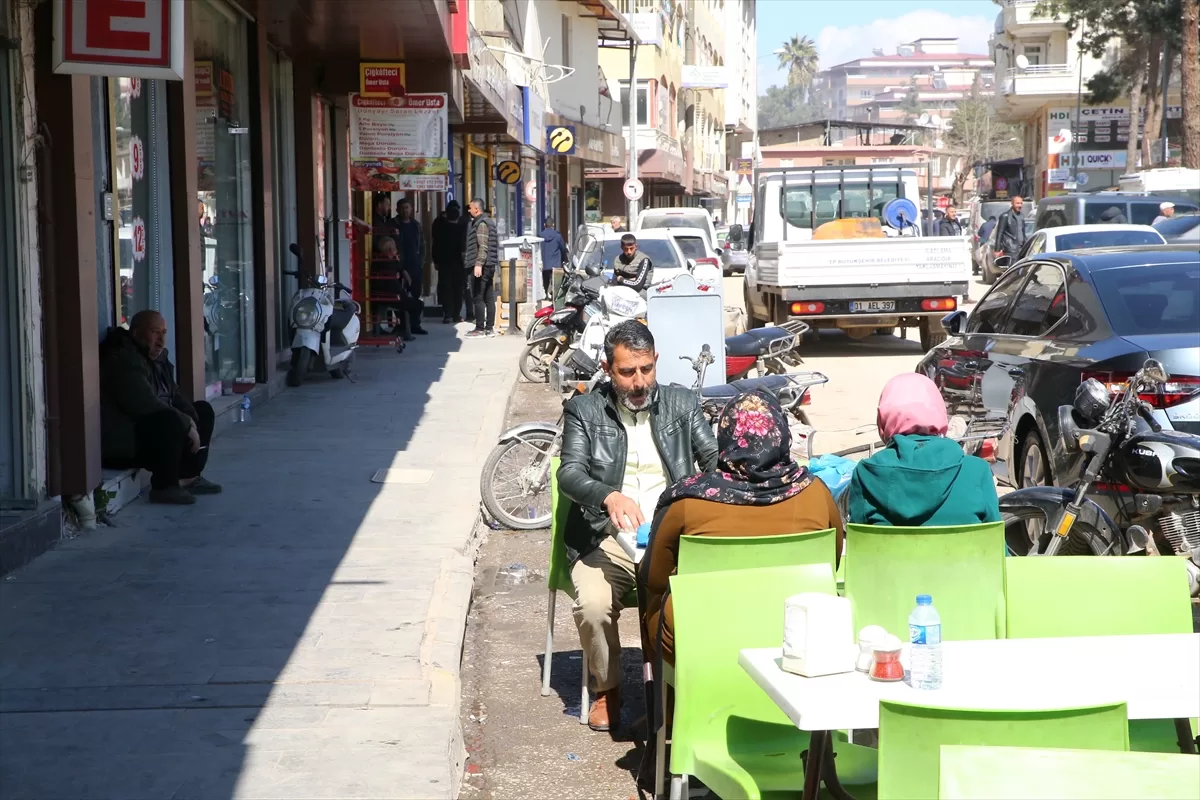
(448, 259)
(145, 420)
(554, 256)
(482, 256)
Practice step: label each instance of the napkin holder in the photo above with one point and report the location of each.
(818, 635)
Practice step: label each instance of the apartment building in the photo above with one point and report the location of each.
(1042, 76)
(705, 80)
(934, 63)
(741, 104)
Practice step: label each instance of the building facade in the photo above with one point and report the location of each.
(741, 106)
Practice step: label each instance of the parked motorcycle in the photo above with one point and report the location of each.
(1156, 474)
(325, 326)
(563, 327)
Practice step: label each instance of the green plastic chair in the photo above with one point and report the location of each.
(558, 579)
(911, 736)
(717, 553)
(727, 731)
(985, 773)
(961, 566)
(1090, 596)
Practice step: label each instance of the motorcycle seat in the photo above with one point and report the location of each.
(758, 341)
(771, 384)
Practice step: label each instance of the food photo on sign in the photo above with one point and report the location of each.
(398, 143)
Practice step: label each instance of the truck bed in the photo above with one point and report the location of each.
(864, 262)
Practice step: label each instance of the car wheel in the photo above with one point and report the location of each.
(986, 276)
(752, 319)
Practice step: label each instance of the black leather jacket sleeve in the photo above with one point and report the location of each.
(574, 478)
(638, 280)
(704, 444)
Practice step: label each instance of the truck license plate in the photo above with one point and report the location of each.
(873, 305)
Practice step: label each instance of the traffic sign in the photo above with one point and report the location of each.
(531, 191)
(1081, 178)
(508, 172)
(943, 202)
(633, 189)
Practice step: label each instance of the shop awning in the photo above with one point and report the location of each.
(652, 164)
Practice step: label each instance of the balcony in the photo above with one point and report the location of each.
(1021, 19)
(1040, 80)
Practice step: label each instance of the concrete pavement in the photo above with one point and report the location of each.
(295, 637)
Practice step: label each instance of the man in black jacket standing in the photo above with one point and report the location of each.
(623, 444)
(1010, 230)
(481, 257)
(448, 259)
(949, 224)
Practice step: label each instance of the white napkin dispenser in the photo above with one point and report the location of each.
(818, 635)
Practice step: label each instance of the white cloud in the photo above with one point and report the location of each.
(837, 45)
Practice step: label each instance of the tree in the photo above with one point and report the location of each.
(791, 105)
(799, 57)
(911, 104)
(1190, 72)
(977, 136)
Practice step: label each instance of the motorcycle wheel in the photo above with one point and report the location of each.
(301, 359)
(535, 361)
(515, 482)
(1083, 540)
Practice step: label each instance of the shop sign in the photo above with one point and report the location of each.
(398, 143)
(745, 166)
(508, 172)
(1094, 159)
(698, 77)
(535, 119)
(561, 139)
(647, 26)
(119, 39)
(516, 113)
(379, 79)
(138, 237)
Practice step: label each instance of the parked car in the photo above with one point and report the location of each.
(734, 256)
(1137, 208)
(1052, 321)
(1180, 229)
(698, 218)
(1083, 237)
(985, 254)
(693, 244)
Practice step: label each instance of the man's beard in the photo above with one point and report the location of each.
(639, 400)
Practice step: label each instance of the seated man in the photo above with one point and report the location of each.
(145, 421)
(632, 268)
(411, 307)
(623, 444)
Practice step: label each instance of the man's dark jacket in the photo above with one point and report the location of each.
(634, 273)
(132, 386)
(595, 447)
(949, 227)
(1010, 232)
(448, 236)
(492, 257)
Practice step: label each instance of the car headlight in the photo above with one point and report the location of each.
(306, 313)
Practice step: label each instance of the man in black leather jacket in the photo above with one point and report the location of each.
(623, 444)
(632, 268)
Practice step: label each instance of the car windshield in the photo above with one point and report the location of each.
(1083, 239)
(680, 220)
(692, 246)
(660, 251)
(1177, 225)
(1156, 298)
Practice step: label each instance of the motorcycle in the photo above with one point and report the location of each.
(521, 459)
(563, 327)
(326, 326)
(1161, 470)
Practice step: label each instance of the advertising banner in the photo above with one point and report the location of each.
(697, 77)
(398, 143)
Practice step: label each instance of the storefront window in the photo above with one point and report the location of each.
(223, 125)
(283, 151)
(479, 179)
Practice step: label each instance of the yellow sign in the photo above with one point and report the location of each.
(381, 79)
(508, 172)
(562, 140)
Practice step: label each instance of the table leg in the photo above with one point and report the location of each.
(814, 757)
(829, 772)
(1183, 730)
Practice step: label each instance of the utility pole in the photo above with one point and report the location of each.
(632, 172)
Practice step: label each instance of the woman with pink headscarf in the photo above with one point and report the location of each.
(921, 477)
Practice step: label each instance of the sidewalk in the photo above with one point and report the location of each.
(295, 637)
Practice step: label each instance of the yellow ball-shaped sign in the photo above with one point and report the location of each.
(562, 140)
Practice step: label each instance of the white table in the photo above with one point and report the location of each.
(628, 542)
(1161, 681)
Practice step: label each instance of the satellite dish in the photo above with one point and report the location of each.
(1022, 62)
(924, 119)
(900, 213)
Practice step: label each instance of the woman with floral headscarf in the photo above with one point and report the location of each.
(921, 477)
(758, 489)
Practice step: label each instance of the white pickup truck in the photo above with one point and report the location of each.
(861, 285)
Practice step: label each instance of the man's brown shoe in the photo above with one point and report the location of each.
(605, 714)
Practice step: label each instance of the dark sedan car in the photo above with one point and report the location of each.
(1051, 322)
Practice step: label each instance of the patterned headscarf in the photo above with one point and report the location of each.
(754, 461)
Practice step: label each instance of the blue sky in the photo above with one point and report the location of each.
(849, 29)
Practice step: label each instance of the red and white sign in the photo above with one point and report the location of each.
(137, 157)
(531, 191)
(139, 239)
(135, 88)
(119, 38)
(943, 202)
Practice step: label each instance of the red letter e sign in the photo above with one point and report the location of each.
(119, 38)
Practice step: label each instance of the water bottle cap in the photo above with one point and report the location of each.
(924, 600)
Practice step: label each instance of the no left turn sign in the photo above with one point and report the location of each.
(633, 189)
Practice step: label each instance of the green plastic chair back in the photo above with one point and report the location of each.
(1089, 596)
(961, 566)
(558, 574)
(727, 731)
(717, 553)
(911, 736)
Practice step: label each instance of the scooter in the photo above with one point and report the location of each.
(326, 326)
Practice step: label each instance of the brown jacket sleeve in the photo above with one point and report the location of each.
(654, 574)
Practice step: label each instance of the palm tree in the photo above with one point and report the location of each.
(799, 57)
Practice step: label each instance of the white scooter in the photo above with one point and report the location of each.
(326, 326)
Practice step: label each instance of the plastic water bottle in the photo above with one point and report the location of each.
(244, 409)
(925, 634)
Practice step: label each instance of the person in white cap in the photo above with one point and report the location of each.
(1166, 211)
